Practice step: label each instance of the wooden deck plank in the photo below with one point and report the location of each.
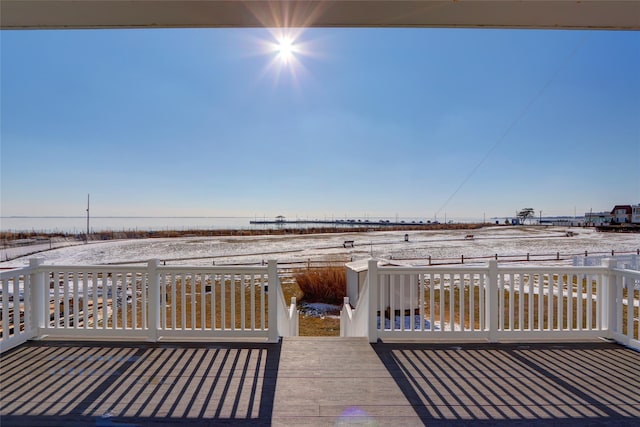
(326, 379)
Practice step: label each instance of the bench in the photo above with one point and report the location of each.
(348, 243)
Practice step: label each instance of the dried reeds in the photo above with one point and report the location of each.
(326, 285)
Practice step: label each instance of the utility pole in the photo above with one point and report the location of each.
(87, 238)
(540, 222)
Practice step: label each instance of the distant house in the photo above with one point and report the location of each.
(280, 218)
(635, 214)
(597, 218)
(621, 214)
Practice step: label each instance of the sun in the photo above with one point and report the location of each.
(285, 49)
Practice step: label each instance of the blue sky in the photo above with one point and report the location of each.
(375, 122)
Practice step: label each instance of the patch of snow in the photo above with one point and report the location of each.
(407, 323)
(318, 309)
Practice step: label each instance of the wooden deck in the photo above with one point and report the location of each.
(319, 381)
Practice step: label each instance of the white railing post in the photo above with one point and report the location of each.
(274, 291)
(610, 304)
(345, 321)
(287, 317)
(491, 308)
(39, 299)
(374, 292)
(294, 327)
(153, 303)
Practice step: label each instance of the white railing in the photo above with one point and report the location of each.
(625, 298)
(156, 302)
(288, 325)
(354, 323)
(15, 303)
(495, 303)
(146, 303)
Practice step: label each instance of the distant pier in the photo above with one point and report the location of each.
(340, 222)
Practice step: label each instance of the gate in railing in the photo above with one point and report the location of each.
(147, 303)
(496, 303)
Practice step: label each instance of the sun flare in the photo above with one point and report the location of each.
(285, 49)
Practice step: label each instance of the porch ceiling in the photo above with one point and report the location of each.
(564, 14)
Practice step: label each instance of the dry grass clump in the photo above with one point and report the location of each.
(309, 326)
(326, 285)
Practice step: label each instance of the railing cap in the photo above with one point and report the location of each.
(36, 261)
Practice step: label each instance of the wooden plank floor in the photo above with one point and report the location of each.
(319, 381)
(337, 381)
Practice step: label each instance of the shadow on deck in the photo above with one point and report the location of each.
(53, 383)
(567, 384)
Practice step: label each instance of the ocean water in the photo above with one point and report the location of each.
(78, 225)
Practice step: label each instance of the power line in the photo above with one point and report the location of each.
(517, 119)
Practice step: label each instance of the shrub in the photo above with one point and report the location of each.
(327, 285)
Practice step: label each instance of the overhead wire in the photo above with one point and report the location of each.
(517, 119)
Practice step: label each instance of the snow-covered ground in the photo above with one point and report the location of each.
(12, 252)
(501, 240)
